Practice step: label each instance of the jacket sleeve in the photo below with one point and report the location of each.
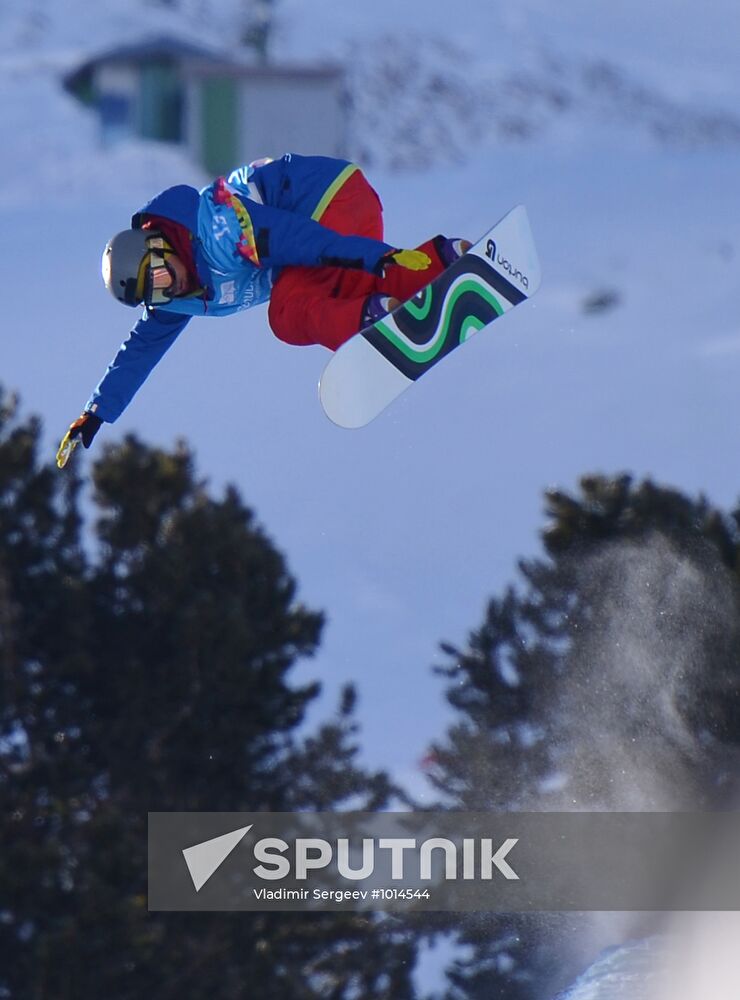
(147, 343)
(284, 239)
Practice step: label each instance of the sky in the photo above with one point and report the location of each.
(403, 530)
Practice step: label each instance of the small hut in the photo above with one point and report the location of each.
(223, 110)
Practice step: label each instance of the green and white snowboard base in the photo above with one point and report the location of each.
(379, 363)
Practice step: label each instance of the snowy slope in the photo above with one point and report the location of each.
(626, 973)
(697, 959)
(420, 94)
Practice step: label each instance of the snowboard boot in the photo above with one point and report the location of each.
(452, 249)
(376, 307)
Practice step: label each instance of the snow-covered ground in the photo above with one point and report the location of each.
(696, 960)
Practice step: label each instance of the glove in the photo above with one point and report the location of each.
(412, 260)
(86, 426)
(84, 429)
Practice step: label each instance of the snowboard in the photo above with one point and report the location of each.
(380, 362)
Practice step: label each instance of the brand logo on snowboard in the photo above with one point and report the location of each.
(505, 265)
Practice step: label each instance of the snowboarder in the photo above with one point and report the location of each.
(304, 232)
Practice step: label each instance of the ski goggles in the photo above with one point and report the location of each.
(159, 279)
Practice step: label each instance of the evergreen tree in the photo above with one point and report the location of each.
(150, 670)
(607, 679)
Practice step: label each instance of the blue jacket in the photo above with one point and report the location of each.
(263, 218)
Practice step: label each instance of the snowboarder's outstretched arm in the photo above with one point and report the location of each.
(148, 341)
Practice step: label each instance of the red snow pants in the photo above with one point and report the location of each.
(323, 305)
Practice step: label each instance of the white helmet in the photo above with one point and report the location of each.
(124, 264)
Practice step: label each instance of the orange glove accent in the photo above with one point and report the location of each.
(84, 429)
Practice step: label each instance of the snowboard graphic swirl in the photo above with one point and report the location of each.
(467, 297)
(383, 360)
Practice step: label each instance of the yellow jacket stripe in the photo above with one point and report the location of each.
(339, 181)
